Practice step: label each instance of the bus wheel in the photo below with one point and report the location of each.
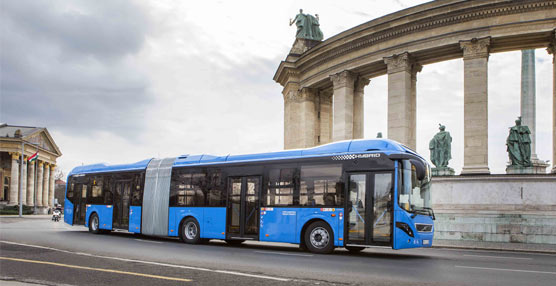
(94, 224)
(234, 241)
(319, 238)
(190, 231)
(354, 249)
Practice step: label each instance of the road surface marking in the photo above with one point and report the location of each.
(503, 269)
(97, 269)
(152, 263)
(500, 257)
(494, 251)
(283, 253)
(148, 240)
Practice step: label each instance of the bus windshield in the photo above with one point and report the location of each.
(414, 194)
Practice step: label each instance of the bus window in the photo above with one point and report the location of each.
(69, 194)
(214, 189)
(137, 190)
(187, 189)
(280, 191)
(96, 197)
(321, 185)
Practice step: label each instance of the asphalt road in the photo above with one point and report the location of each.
(43, 252)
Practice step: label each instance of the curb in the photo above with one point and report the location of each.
(544, 251)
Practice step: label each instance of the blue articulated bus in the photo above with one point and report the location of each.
(351, 194)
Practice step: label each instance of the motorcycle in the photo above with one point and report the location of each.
(56, 214)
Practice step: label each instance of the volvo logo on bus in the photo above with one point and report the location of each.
(355, 156)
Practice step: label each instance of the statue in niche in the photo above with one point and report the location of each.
(308, 26)
(519, 145)
(440, 147)
(379, 135)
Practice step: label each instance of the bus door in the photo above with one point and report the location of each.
(243, 207)
(122, 197)
(80, 203)
(369, 208)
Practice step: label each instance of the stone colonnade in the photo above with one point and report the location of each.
(314, 117)
(43, 187)
(552, 50)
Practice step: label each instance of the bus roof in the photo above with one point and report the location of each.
(342, 147)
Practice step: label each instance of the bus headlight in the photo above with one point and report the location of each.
(405, 227)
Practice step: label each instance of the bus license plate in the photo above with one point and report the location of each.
(426, 241)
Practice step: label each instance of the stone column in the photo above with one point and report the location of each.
(475, 108)
(401, 119)
(358, 107)
(14, 180)
(552, 50)
(342, 97)
(24, 182)
(31, 184)
(415, 68)
(45, 185)
(528, 96)
(40, 178)
(290, 93)
(325, 117)
(51, 186)
(308, 117)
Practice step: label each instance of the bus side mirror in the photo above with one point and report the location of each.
(420, 169)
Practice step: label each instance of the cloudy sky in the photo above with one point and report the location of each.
(121, 81)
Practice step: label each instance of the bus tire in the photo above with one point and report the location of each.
(94, 224)
(190, 231)
(354, 249)
(319, 238)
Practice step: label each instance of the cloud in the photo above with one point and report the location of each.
(71, 65)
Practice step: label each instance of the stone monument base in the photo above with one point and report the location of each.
(446, 171)
(539, 167)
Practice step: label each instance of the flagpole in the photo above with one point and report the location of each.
(21, 178)
(35, 185)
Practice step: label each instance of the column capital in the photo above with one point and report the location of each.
(360, 83)
(398, 63)
(343, 79)
(415, 68)
(15, 155)
(52, 167)
(307, 93)
(475, 48)
(551, 49)
(41, 163)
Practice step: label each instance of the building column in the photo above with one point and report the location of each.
(552, 50)
(475, 108)
(40, 176)
(307, 117)
(45, 185)
(401, 119)
(51, 186)
(24, 182)
(31, 184)
(14, 180)
(358, 107)
(343, 84)
(290, 93)
(325, 116)
(415, 68)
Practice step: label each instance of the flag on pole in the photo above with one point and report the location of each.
(33, 157)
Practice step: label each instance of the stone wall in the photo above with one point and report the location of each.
(497, 208)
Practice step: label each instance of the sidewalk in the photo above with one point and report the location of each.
(484, 245)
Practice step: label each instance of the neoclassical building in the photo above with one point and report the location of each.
(37, 186)
(323, 81)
